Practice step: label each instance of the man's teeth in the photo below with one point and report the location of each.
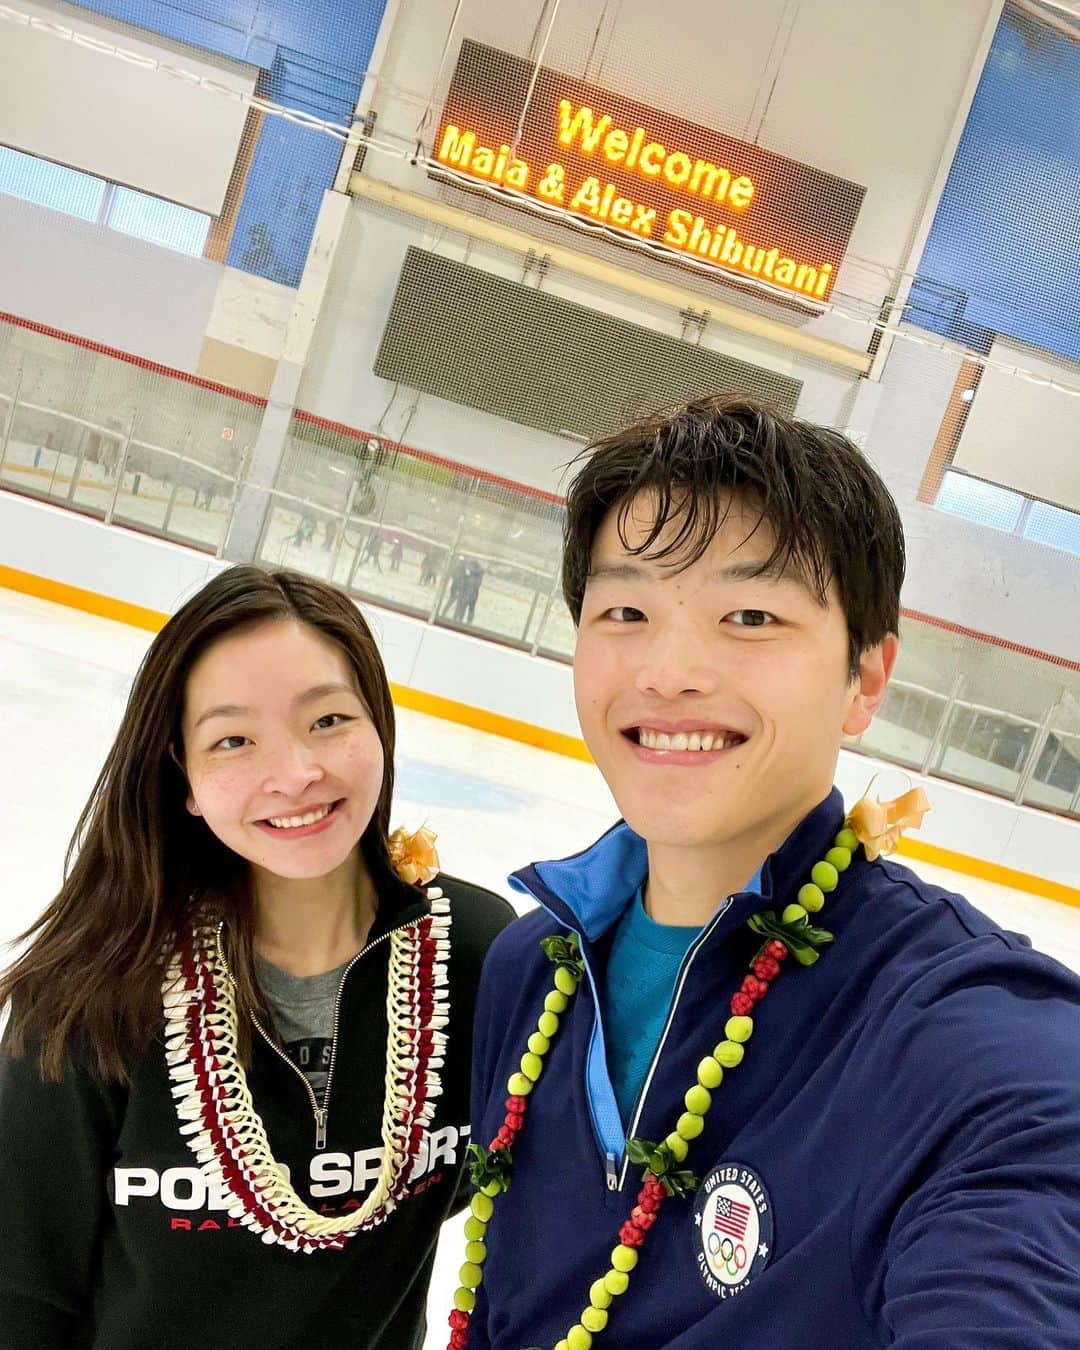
(688, 740)
(294, 822)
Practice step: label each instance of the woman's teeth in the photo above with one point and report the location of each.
(294, 822)
(689, 740)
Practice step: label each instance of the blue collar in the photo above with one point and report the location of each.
(590, 890)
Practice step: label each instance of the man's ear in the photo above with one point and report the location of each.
(875, 668)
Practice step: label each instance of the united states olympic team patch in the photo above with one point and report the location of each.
(733, 1228)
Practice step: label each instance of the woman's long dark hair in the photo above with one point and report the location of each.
(92, 971)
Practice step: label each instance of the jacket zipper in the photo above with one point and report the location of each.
(617, 1183)
(320, 1112)
(614, 1175)
(610, 1164)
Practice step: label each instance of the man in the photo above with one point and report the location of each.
(474, 577)
(770, 1093)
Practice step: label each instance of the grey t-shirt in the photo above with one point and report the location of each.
(303, 1008)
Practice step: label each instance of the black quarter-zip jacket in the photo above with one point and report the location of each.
(113, 1240)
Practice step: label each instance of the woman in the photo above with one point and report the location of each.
(234, 1089)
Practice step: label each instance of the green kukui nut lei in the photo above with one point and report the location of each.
(491, 1168)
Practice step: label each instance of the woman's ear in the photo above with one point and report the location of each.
(191, 804)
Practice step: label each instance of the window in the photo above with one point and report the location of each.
(1055, 526)
(984, 503)
(158, 221)
(999, 508)
(93, 199)
(47, 184)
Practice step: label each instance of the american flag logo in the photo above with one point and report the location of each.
(731, 1217)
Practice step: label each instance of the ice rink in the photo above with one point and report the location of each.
(494, 804)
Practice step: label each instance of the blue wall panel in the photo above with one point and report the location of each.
(1003, 254)
(313, 54)
(291, 169)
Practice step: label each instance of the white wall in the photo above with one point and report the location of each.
(115, 118)
(1023, 435)
(966, 573)
(251, 312)
(49, 542)
(99, 284)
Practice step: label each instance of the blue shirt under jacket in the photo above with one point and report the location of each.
(642, 968)
(896, 1162)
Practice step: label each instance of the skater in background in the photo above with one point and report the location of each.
(457, 595)
(373, 549)
(200, 1144)
(206, 489)
(304, 532)
(474, 577)
(429, 569)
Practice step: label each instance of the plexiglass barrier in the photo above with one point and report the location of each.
(137, 446)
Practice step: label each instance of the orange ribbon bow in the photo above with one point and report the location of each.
(878, 825)
(413, 855)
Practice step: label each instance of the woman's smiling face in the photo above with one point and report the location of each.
(282, 758)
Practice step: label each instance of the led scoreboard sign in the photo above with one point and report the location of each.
(645, 173)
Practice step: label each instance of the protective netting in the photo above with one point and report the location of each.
(350, 288)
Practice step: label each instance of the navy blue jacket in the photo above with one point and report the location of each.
(895, 1163)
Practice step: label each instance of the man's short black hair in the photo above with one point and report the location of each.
(833, 518)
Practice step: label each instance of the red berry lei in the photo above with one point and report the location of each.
(791, 935)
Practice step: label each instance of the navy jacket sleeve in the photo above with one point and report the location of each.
(480, 916)
(967, 1231)
(56, 1140)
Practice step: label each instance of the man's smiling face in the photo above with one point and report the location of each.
(714, 700)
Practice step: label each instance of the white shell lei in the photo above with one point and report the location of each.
(213, 1102)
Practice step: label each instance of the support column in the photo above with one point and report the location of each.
(859, 410)
(253, 502)
(254, 499)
